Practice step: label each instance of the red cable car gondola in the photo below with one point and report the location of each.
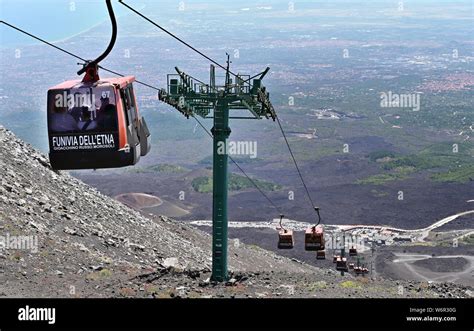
(352, 251)
(314, 238)
(341, 264)
(95, 123)
(286, 239)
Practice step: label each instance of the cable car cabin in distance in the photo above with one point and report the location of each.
(95, 125)
(285, 239)
(314, 238)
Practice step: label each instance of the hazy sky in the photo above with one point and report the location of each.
(52, 19)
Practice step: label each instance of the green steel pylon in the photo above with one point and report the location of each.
(193, 97)
(220, 133)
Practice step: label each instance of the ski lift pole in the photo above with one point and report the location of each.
(220, 133)
(343, 249)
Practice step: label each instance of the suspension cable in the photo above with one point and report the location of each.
(72, 54)
(137, 81)
(43, 41)
(175, 37)
(242, 170)
(298, 170)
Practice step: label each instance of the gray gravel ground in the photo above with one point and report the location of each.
(89, 245)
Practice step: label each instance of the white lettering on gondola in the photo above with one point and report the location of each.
(96, 141)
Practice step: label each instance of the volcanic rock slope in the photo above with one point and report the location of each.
(89, 245)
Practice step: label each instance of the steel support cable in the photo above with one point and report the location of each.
(298, 170)
(174, 36)
(42, 40)
(242, 170)
(137, 81)
(71, 54)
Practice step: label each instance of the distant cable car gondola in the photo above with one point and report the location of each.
(341, 264)
(352, 251)
(285, 237)
(321, 255)
(95, 123)
(314, 238)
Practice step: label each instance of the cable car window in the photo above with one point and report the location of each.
(127, 96)
(125, 107)
(130, 92)
(82, 109)
(131, 103)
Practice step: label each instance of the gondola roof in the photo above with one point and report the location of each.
(77, 83)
